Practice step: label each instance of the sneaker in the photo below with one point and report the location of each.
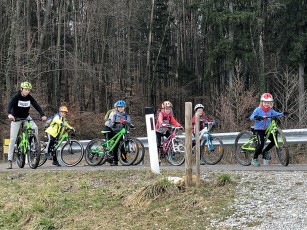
(255, 162)
(48, 156)
(114, 163)
(202, 162)
(56, 163)
(266, 155)
(9, 164)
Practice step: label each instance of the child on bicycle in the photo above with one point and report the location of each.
(165, 117)
(18, 107)
(115, 123)
(261, 124)
(199, 111)
(55, 130)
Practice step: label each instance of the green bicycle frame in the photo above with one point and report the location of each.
(270, 130)
(62, 138)
(24, 143)
(111, 143)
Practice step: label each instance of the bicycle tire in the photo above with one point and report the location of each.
(283, 150)
(20, 156)
(34, 152)
(71, 153)
(244, 156)
(216, 152)
(92, 157)
(43, 158)
(176, 152)
(128, 151)
(141, 153)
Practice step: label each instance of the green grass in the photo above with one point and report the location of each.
(109, 200)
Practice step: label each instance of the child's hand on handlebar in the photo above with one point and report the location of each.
(258, 118)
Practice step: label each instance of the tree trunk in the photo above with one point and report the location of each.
(301, 92)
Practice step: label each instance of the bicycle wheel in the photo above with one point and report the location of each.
(95, 152)
(245, 145)
(43, 158)
(141, 153)
(20, 155)
(71, 153)
(128, 151)
(282, 151)
(176, 153)
(34, 152)
(213, 151)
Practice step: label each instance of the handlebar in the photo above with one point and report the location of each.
(268, 117)
(172, 127)
(27, 119)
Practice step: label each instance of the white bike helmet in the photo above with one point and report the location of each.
(198, 106)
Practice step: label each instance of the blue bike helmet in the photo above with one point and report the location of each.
(120, 103)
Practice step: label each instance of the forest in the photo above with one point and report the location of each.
(91, 53)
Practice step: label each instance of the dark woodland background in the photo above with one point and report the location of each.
(91, 53)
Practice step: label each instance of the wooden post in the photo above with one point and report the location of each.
(197, 152)
(188, 143)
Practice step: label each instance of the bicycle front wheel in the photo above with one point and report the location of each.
(128, 151)
(213, 151)
(71, 153)
(245, 145)
(34, 152)
(19, 153)
(43, 158)
(141, 153)
(282, 150)
(95, 152)
(176, 153)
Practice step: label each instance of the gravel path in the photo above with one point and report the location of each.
(268, 200)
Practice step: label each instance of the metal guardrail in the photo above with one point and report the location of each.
(293, 136)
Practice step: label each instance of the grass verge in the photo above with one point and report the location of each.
(110, 200)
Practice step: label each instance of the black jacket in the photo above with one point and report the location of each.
(19, 106)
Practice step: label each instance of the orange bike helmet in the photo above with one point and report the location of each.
(63, 109)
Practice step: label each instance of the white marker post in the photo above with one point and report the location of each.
(152, 140)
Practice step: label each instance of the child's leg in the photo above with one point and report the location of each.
(271, 145)
(260, 137)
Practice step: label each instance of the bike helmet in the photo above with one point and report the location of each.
(267, 97)
(198, 106)
(166, 104)
(25, 85)
(120, 103)
(63, 109)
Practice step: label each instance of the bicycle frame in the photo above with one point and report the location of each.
(26, 132)
(58, 142)
(166, 144)
(270, 130)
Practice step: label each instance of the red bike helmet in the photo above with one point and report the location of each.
(166, 104)
(267, 97)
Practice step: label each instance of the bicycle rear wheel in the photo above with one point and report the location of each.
(20, 155)
(245, 145)
(71, 153)
(43, 158)
(141, 153)
(213, 151)
(34, 152)
(282, 151)
(95, 152)
(128, 151)
(176, 153)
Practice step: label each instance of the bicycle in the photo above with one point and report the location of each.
(71, 153)
(98, 151)
(27, 144)
(172, 147)
(246, 142)
(211, 147)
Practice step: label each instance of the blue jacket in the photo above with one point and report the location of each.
(263, 124)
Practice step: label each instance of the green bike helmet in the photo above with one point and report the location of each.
(26, 85)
